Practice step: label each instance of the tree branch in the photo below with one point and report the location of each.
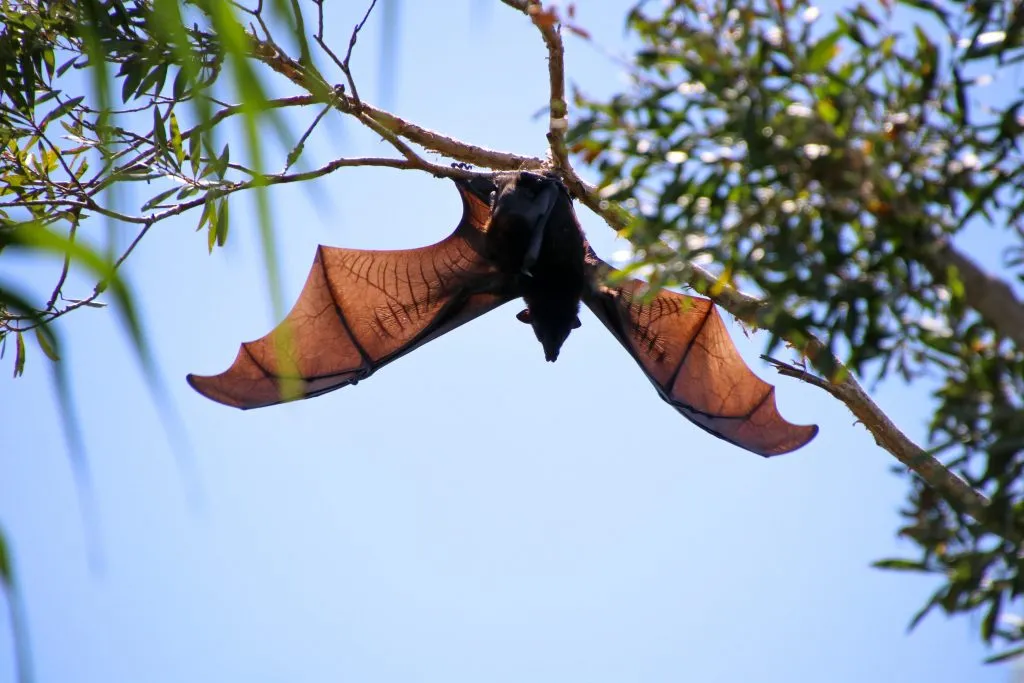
(547, 22)
(954, 489)
(276, 59)
(992, 298)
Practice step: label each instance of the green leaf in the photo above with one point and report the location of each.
(1004, 656)
(176, 146)
(132, 70)
(6, 566)
(19, 354)
(901, 565)
(923, 612)
(293, 156)
(158, 199)
(48, 60)
(822, 53)
(66, 65)
(180, 86)
(195, 150)
(60, 111)
(159, 134)
(47, 342)
(988, 624)
(153, 82)
(827, 111)
(19, 623)
(222, 223)
(210, 218)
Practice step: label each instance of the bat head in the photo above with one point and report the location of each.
(552, 336)
(526, 200)
(559, 324)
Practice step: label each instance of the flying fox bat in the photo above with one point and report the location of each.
(518, 237)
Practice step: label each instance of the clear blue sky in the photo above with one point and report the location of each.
(470, 514)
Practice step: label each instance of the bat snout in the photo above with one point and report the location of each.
(551, 340)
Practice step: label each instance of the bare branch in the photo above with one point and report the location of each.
(548, 23)
(887, 435)
(450, 147)
(343, 64)
(65, 268)
(256, 14)
(558, 121)
(319, 36)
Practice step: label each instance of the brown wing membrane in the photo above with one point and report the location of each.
(682, 345)
(360, 310)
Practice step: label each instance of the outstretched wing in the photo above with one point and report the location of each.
(684, 348)
(360, 310)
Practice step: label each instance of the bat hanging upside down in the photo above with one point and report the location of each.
(518, 237)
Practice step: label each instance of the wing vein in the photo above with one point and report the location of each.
(689, 347)
(367, 361)
(263, 369)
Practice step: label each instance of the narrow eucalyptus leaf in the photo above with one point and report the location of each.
(47, 343)
(19, 354)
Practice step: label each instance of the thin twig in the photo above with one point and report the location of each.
(343, 64)
(319, 37)
(293, 155)
(799, 372)
(257, 14)
(404, 149)
(67, 264)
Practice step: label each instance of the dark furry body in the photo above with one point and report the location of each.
(554, 283)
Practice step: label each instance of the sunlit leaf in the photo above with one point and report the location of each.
(176, 146)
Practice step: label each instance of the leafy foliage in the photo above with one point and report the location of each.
(66, 150)
(834, 169)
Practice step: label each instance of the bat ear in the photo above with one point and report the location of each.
(480, 187)
(524, 316)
